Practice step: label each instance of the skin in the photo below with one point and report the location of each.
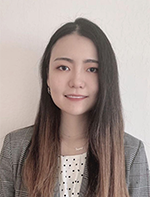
(73, 81)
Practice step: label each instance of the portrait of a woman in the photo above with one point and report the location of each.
(77, 146)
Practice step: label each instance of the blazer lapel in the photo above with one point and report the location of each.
(56, 190)
(84, 183)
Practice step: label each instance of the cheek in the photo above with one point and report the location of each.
(55, 86)
(53, 82)
(94, 85)
(97, 89)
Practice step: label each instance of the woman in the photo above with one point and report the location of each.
(77, 146)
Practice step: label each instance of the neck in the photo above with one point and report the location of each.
(73, 127)
(73, 133)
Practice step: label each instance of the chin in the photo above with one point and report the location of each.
(75, 112)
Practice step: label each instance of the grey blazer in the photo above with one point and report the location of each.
(15, 150)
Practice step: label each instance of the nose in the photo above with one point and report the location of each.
(77, 80)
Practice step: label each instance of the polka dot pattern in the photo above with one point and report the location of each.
(71, 174)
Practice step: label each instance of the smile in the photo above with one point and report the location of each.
(75, 96)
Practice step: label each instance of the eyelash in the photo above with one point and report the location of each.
(60, 68)
(93, 68)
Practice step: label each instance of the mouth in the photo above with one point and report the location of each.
(73, 96)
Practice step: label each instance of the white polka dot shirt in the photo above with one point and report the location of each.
(71, 174)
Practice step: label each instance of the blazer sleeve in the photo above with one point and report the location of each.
(139, 177)
(6, 170)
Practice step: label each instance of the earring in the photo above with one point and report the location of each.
(48, 90)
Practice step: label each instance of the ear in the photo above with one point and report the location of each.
(48, 84)
(48, 80)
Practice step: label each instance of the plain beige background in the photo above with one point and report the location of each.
(26, 26)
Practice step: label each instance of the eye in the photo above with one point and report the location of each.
(93, 70)
(64, 68)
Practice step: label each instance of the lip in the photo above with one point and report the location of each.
(75, 96)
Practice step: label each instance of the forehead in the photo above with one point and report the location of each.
(74, 45)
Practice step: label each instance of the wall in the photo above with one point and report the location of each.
(26, 27)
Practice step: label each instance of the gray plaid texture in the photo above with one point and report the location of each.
(15, 150)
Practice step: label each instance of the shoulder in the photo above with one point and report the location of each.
(21, 134)
(131, 143)
(12, 158)
(132, 146)
(16, 143)
(20, 137)
(137, 169)
(135, 156)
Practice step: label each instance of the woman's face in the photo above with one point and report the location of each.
(73, 74)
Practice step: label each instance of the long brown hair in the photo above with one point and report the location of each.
(105, 156)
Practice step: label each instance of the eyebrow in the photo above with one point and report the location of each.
(64, 58)
(91, 61)
(71, 61)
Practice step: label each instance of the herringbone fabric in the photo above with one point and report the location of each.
(15, 150)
